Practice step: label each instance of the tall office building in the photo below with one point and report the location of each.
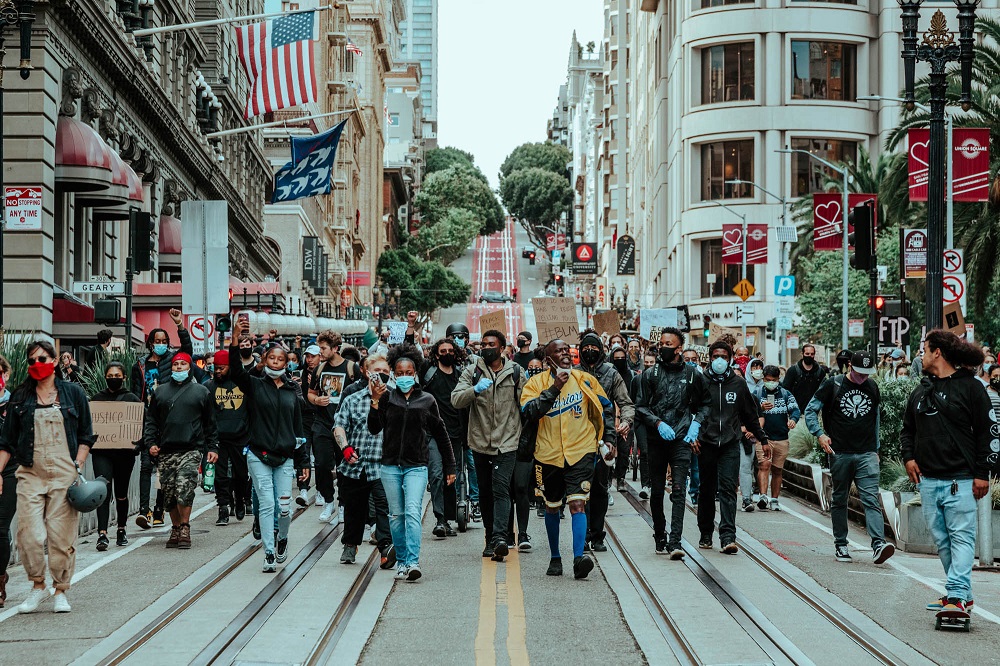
(420, 44)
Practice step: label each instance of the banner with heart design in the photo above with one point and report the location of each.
(732, 244)
(970, 163)
(828, 234)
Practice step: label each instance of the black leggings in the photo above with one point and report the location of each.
(116, 468)
(523, 490)
(8, 507)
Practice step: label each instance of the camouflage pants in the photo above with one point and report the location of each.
(179, 478)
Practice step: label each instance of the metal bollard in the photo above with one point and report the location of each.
(985, 533)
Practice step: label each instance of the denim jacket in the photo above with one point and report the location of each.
(18, 434)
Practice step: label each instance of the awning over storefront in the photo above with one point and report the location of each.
(117, 192)
(83, 161)
(135, 197)
(170, 235)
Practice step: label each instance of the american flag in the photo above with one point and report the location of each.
(278, 57)
(353, 48)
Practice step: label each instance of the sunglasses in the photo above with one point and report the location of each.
(39, 359)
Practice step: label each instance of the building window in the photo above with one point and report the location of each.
(423, 32)
(705, 4)
(727, 73)
(722, 161)
(726, 277)
(393, 120)
(824, 70)
(421, 48)
(808, 174)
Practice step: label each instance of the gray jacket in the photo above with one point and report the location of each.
(611, 381)
(494, 414)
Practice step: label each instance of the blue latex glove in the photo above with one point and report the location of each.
(692, 432)
(666, 432)
(483, 384)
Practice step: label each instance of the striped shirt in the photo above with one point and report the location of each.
(353, 418)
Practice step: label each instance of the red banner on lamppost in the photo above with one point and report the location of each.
(970, 163)
(828, 216)
(732, 244)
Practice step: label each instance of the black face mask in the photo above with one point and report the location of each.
(620, 363)
(995, 383)
(246, 352)
(807, 360)
(531, 372)
(591, 356)
(668, 354)
(384, 376)
(521, 342)
(115, 384)
(490, 355)
(447, 360)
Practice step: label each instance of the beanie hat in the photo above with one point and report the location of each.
(592, 339)
(181, 356)
(222, 357)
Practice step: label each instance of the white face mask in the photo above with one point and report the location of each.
(274, 374)
(757, 374)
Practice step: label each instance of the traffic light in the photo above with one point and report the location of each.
(558, 280)
(141, 233)
(531, 257)
(895, 307)
(862, 239)
(224, 324)
(772, 329)
(879, 306)
(707, 319)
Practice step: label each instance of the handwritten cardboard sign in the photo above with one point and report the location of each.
(117, 424)
(556, 318)
(493, 321)
(607, 322)
(653, 321)
(397, 332)
(716, 332)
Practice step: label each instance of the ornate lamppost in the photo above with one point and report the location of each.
(937, 48)
(19, 13)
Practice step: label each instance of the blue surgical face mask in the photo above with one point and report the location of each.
(292, 366)
(160, 350)
(405, 383)
(460, 342)
(720, 365)
(179, 376)
(692, 364)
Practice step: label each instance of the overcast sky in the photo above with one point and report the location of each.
(500, 68)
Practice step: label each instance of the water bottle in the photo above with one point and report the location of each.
(208, 478)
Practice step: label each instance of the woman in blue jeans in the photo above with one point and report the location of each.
(406, 415)
(276, 439)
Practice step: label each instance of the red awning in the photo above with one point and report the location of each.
(70, 311)
(83, 161)
(117, 193)
(170, 235)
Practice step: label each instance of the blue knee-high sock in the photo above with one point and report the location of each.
(552, 530)
(579, 533)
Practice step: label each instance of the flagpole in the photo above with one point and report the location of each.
(143, 32)
(276, 123)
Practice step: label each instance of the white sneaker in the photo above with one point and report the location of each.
(611, 499)
(774, 505)
(35, 597)
(644, 492)
(319, 500)
(340, 517)
(762, 502)
(401, 573)
(327, 513)
(303, 498)
(62, 603)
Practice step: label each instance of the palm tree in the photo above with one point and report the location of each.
(977, 225)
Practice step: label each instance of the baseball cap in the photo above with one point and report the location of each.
(897, 354)
(862, 363)
(312, 349)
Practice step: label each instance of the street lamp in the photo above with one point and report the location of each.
(743, 237)
(19, 13)
(784, 247)
(937, 48)
(949, 129)
(845, 175)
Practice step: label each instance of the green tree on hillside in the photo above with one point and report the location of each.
(424, 286)
(549, 156)
(538, 198)
(459, 187)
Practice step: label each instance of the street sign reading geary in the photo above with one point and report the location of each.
(98, 287)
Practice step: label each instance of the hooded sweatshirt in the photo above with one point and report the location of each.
(674, 393)
(947, 428)
(731, 405)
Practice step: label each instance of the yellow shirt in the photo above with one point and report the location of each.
(573, 426)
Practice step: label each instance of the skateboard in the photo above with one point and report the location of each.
(953, 619)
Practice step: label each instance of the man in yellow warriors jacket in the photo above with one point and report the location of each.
(572, 414)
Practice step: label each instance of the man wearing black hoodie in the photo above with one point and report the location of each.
(948, 445)
(805, 377)
(592, 361)
(718, 446)
(673, 403)
(233, 418)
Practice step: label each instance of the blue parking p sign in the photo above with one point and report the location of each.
(784, 285)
